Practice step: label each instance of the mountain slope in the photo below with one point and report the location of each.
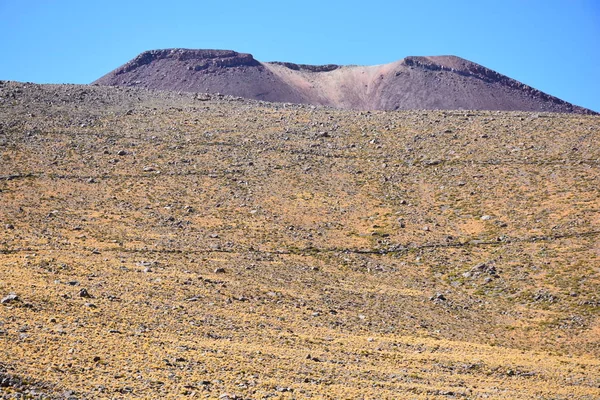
(444, 82)
(156, 244)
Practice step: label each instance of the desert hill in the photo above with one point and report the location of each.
(156, 244)
(445, 83)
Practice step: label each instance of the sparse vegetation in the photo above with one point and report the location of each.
(228, 246)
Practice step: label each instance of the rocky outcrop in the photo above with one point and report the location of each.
(309, 68)
(205, 59)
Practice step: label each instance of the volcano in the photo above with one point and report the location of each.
(432, 83)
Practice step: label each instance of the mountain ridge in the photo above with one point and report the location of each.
(414, 82)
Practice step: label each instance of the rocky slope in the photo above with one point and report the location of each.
(171, 245)
(445, 83)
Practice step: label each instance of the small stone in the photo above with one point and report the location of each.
(219, 270)
(438, 297)
(122, 153)
(10, 226)
(90, 305)
(85, 294)
(486, 217)
(11, 298)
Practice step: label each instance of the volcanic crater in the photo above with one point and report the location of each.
(433, 83)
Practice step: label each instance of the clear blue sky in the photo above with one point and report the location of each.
(551, 45)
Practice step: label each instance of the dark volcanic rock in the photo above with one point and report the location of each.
(304, 67)
(442, 82)
(209, 58)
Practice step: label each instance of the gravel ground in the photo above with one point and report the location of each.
(163, 245)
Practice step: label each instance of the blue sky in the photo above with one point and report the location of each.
(551, 45)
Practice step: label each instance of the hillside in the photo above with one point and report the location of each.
(162, 245)
(431, 83)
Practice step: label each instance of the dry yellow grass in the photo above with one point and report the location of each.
(335, 232)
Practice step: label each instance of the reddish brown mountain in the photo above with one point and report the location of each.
(443, 82)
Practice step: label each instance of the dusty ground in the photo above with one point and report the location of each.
(168, 245)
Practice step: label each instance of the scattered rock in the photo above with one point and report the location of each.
(11, 298)
(85, 294)
(482, 268)
(219, 270)
(438, 297)
(229, 396)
